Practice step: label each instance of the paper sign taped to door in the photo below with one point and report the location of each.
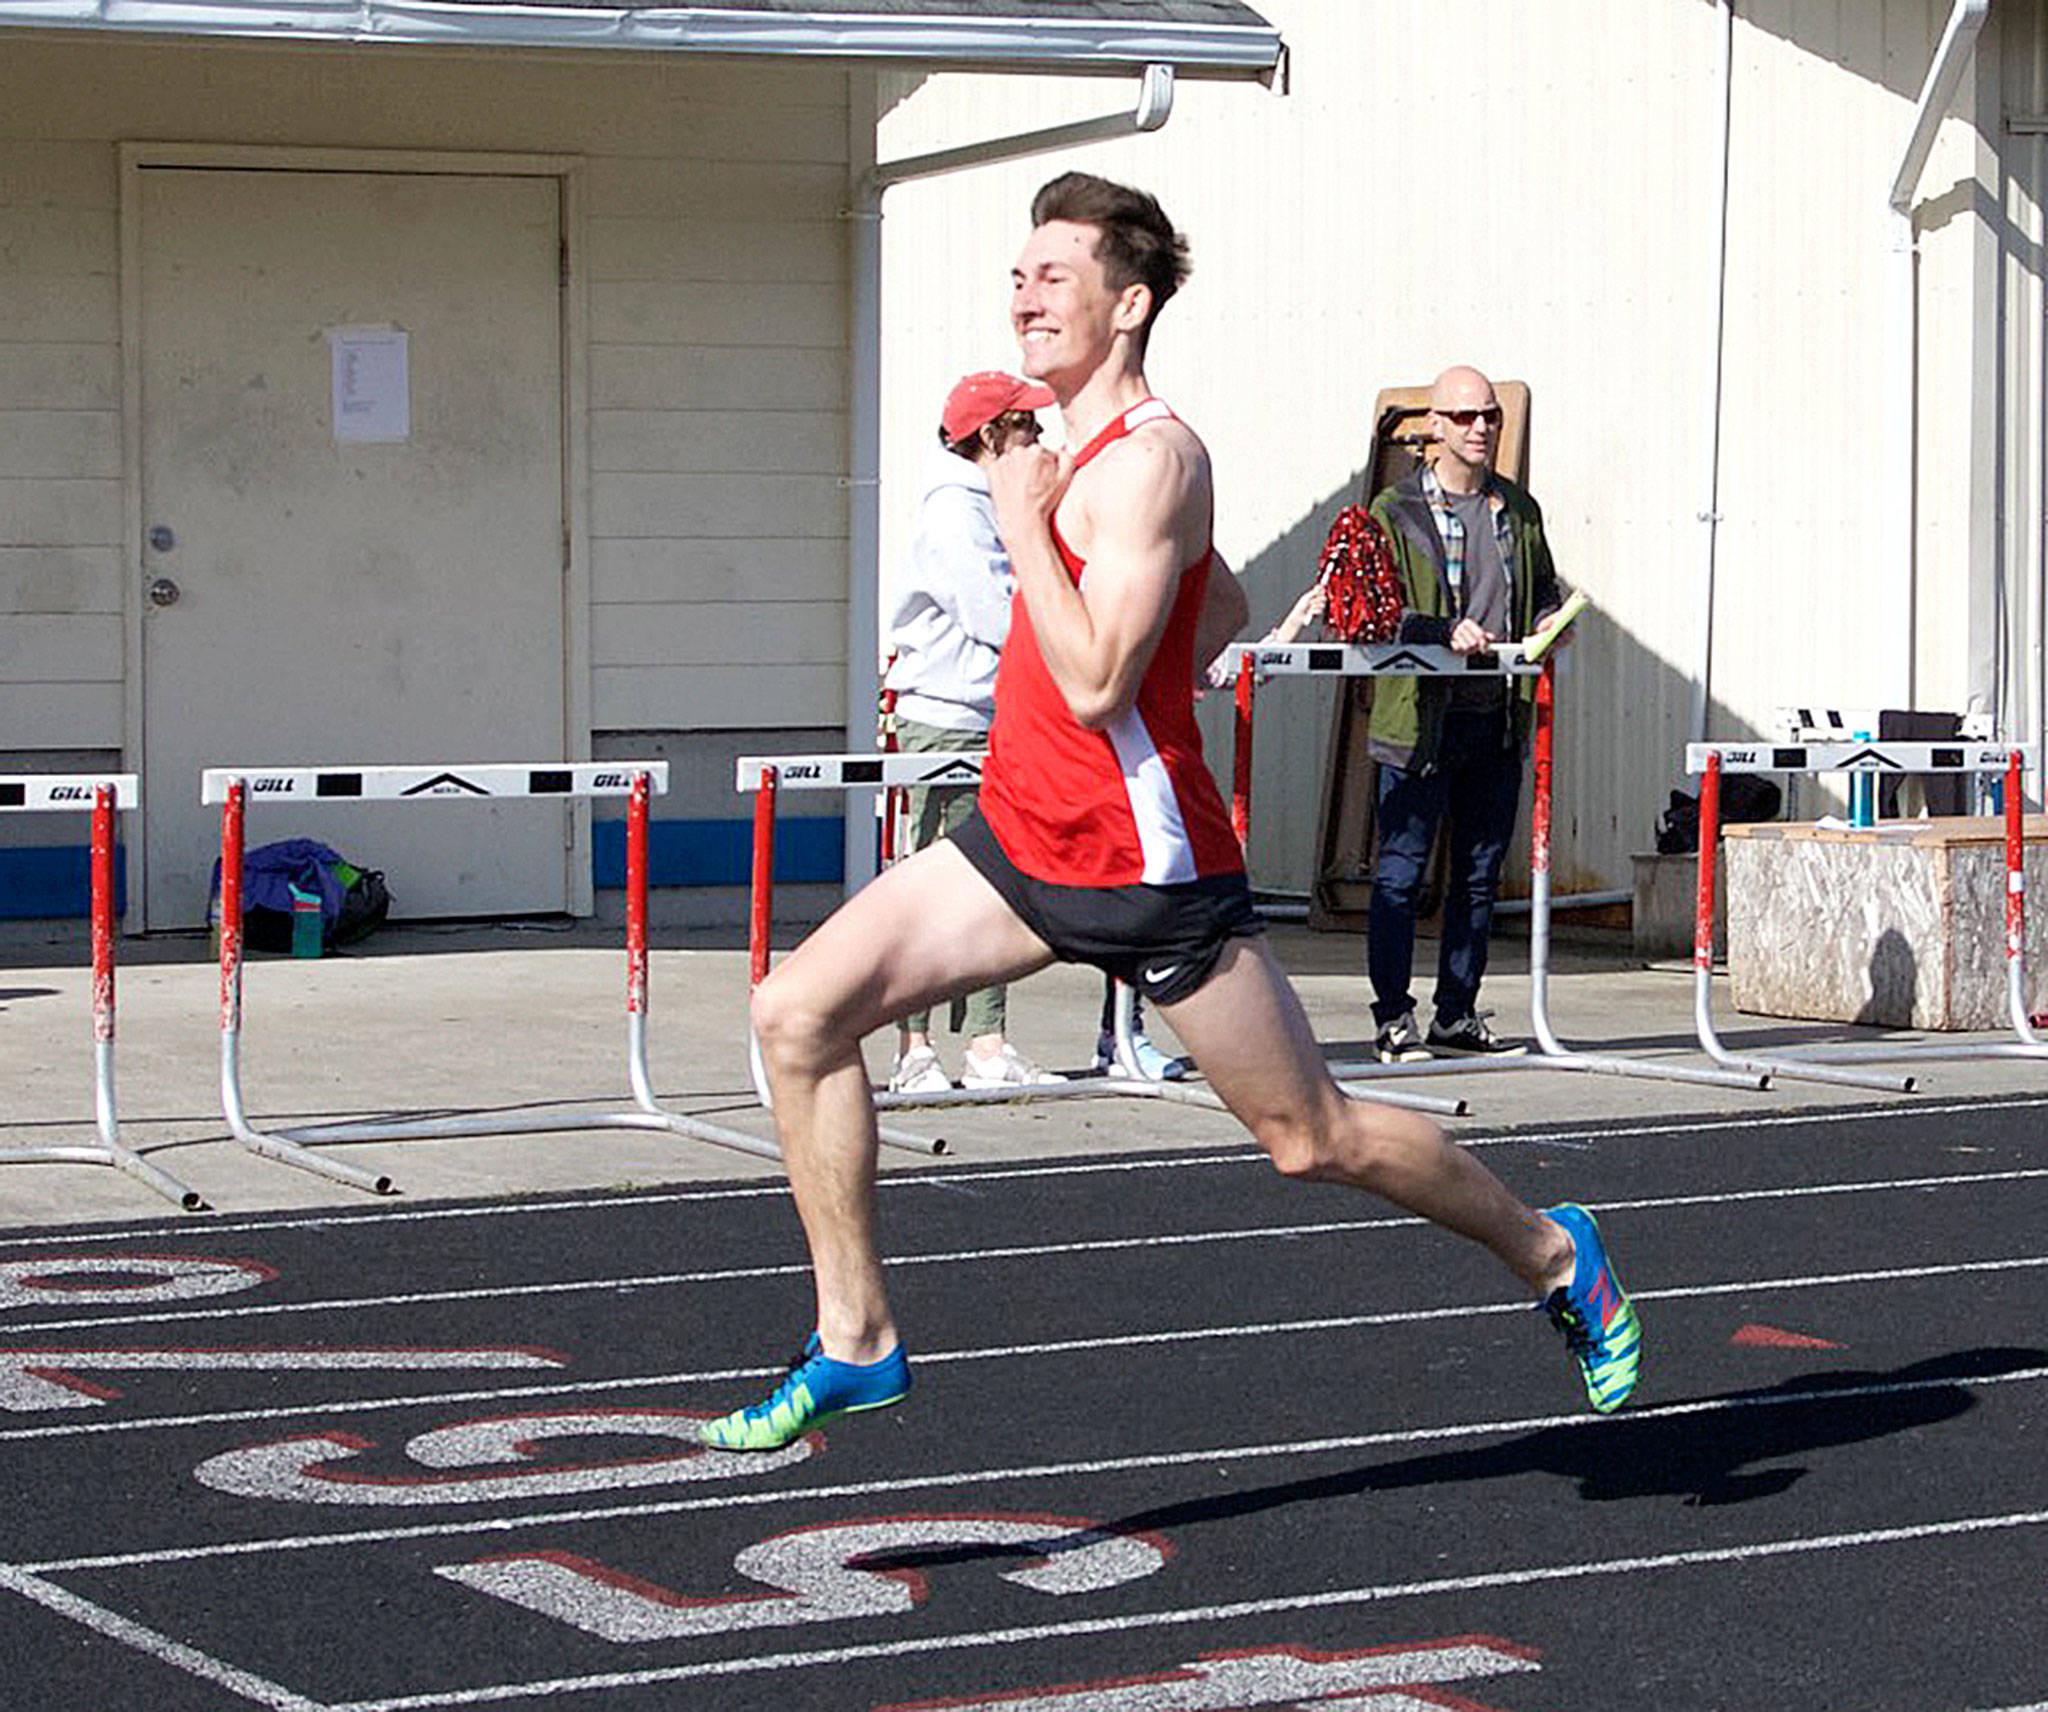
(372, 383)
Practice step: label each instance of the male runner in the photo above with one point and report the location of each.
(1101, 838)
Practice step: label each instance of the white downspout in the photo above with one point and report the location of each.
(864, 531)
(1958, 39)
(1710, 509)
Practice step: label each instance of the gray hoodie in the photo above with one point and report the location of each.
(950, 602)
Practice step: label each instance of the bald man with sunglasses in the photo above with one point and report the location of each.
(1475, 571)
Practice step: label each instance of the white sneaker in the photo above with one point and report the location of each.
(1004, 1068)
(1153, 1064)
(918, 1071)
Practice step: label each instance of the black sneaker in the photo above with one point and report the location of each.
(1469, 1036)
(1400, 1041)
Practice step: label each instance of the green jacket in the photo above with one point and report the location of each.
(1406, 712)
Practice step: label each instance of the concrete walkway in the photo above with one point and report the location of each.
(532, 1018)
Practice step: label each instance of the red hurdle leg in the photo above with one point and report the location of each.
(2015, 862)
(1539, 805)
(231, 909)
(763, 910)
(106, 1117)
(1241, 760)
(1709, 856)
(636, 896)
(103, 913)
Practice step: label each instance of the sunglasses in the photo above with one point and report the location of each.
(1465, 418)
(1016, 422)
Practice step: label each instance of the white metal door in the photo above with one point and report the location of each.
(352, 511)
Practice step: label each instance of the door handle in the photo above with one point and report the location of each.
(163, 592)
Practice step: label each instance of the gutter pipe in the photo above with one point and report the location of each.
(1702, 676)
(971, 41)
(1710, 513)
(863, 594)
(1958, 40)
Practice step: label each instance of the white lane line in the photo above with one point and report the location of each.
(1135, 1622)
(968, 1175)
(603, 1200)
(155, 1644)
(1063, 1346)
(1264, 1451)
(976, 1256)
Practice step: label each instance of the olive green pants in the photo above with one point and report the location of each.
(934, 811)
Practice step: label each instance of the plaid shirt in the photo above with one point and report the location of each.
(1453, 533)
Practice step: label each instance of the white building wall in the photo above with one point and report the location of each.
(1531, 189)
(714, 261)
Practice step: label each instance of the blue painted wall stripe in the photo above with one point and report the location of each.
(809, 850)
(55, 880)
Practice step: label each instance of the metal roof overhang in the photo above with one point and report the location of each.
(985, 38)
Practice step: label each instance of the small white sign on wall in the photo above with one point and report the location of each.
(372, 383)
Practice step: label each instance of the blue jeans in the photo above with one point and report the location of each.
(1475, 788)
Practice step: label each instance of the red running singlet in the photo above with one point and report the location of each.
(1132, 804)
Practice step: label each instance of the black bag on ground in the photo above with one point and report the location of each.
(1744, 797)
(365, 902)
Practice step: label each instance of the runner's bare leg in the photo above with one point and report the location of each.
(1250, 1037)
(927, 928)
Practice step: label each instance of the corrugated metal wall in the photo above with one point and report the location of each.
(1821, 105)
(2004, 638)
(61, 570)
(1534, 189)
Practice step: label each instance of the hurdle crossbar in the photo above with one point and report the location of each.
(100, 794)
(767, 776)
(1257, 660)
(636, 781)
(1380, 660)
(1818, 1063)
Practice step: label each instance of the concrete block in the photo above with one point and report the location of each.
(1667, 902)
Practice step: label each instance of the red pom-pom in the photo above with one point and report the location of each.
(1362, 584)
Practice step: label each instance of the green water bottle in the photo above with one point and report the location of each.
(305, 923)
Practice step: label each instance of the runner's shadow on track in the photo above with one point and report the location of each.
(1723, 1450)
(1740, 1447)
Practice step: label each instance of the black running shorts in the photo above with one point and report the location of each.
(1162, 940)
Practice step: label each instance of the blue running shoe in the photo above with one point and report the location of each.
(816, 1389)
(1593, 1312)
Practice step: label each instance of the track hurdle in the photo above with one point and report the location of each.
(1818, 1063)
(1256, 660)
(636, 781)
(767, 776)
(39, 793)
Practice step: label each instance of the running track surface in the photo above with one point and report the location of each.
(1185, 1438)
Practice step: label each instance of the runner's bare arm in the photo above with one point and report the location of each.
(1224, 611)
(1131, 525)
